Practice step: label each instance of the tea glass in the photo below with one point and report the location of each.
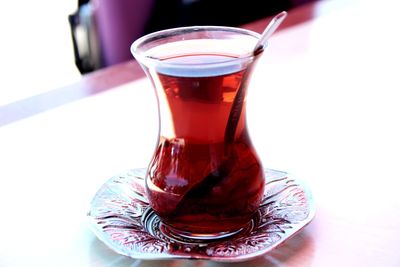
(205, 180)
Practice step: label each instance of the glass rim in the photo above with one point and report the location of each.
(146, 59)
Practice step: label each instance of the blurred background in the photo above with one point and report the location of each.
(48, 44)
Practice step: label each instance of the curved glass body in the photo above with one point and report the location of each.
(205, 179)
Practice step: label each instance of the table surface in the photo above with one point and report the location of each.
(323, 105)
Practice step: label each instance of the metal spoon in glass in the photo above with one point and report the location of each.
(215, 176)
(238, 101)
(267, 33)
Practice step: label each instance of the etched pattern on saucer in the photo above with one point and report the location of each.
(120, 216)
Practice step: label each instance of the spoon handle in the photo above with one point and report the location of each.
(269, 30)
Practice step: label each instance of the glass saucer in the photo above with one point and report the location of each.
(120, 216)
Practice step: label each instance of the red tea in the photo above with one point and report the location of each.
(205, 177)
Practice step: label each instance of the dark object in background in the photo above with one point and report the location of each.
(84, 38)
(119, 23)
(176, 13)
(103, 30)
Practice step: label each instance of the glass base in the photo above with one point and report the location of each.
(121, 217)
(154, 226)
(178, 234)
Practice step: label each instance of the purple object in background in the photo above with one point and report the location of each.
(119, 23)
